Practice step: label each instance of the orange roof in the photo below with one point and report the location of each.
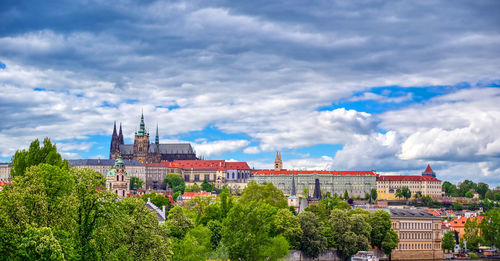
(435, 212)
(460, 222)
(407, 178)
(305, 172)
(237, 165)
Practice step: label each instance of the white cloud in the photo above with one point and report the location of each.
(210, 149)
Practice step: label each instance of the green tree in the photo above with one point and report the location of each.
(469, 194)
(288, 225)
(312, 242)
(490, 227)
(418, 194)
(36, 155)
(136, 183)
(448, 242)
(245, 225)
(466, 186)
(195, 245)
(226, 202)
(346, 195)
(157, 199)
(456, 206)
(427, 200)
(348, 234)
(205, 186)
(373, 194)
(178, 223)
(215, 232)
(390, 242)
(39, 244)
(380, 222)
(175, 182)
(482, 189)
(449, 189)
(276, 250)
(471, 234)
(267, 193)
(405, 192)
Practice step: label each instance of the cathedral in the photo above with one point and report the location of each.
(144, 151)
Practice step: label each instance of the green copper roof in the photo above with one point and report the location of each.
(142, 129)
(111, 173)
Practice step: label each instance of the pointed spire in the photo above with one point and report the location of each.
(157, 138)
(142, 129)
(293, 186)
(114, 129)
(120, 135)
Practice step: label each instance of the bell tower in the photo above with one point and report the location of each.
(141, 142)
(278, 163)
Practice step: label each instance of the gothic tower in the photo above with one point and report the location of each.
(120, 135)
(278, 163)
(141, 142)
(115, 143)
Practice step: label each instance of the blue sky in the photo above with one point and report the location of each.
(372, 85)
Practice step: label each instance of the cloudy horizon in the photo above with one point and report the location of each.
(372, 85)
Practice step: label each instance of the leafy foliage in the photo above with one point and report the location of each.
(313, 242)
(288, 225)
(136, 183)
(35, 155)
(175, 182)
(448, 242)
(267, 193)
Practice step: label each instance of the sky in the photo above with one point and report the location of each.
(389, 86)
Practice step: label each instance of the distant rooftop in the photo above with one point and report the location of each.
(411, 213)
(101, 162)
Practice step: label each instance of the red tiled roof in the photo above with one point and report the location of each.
(428, 169)
(237, 165)
(200, 164)
(196, 194)
(161, 164)
(407, 178)
(322, 172)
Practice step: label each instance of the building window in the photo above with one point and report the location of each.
(117, 178)
(123, 193)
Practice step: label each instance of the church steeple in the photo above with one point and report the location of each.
(115, 143)
(157, 137)
(293, 186)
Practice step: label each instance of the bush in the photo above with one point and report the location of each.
(472, 255)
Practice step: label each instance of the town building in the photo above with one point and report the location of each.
(237, 172)
(356, 183)
(5, 171)
(103, 166)
(387, 186)
(458, 225)
(156, 173)
(144, 151)
(118, 179)
(187, 196)
(419, 235)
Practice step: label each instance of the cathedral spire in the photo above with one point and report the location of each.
(293, 186)
(114, 129)
(278, 163)
(120, 135)
(142, 128)
(157, 138)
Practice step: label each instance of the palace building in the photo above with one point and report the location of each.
(144, 151)
(356, 183)
(427, 185)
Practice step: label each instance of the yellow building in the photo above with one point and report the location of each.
(419, 235)
(387, 186)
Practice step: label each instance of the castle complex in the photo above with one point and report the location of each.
(144, 151)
